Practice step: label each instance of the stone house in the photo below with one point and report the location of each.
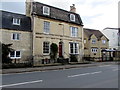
(94, 43)
(55, 25)
(16, 30)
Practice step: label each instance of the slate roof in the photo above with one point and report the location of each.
(6, 19)
(97, 33)
(56, 13)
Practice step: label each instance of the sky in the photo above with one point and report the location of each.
(95, 14)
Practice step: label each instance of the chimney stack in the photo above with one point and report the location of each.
(28, 7)
(72, 8)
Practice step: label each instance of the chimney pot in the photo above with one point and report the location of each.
(72, 8)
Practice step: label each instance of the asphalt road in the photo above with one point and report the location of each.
(105, 76)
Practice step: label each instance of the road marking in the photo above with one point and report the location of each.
(96, 72)
(84, 74)
(79, 75)
(104, 66)
(115, 69)
(16, 84)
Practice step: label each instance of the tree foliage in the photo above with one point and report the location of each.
(53, 51)
(6, 49)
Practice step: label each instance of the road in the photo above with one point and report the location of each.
(105, 76)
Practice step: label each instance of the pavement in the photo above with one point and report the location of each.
(57, 67)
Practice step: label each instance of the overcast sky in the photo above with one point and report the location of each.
(95, 14)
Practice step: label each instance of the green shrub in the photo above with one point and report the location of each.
(53, 51)
(73, 58)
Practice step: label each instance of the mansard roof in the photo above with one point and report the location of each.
(97, 33)
(56, 13)
(6, 19)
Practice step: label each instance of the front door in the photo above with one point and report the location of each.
(60, 49)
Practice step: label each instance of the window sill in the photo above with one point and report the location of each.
(46, 54)
(15, 57)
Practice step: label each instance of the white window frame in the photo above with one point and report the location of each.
(46, 27)
(103, 41)
(85, 41)
(17, 36)
(94, 50)
(15, 56)
(74, 53)
(94, 41)
(72, 17)
(43, 48)
(48, 10)
(16, 21)
(74, 31)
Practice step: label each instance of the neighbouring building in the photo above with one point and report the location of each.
(16, 30)
(113, 35)
(94, 42)
(55, 25)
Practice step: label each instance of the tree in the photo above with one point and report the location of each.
(6, 49)
(53, 51)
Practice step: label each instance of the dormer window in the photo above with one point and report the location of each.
(16, 21)
(46, 10)
(72, 17)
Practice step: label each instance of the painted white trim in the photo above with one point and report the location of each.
(76, 31)
(94, 50)
(15, 55)
(44, 27)
(74, 48)
(15, 21)
(72, 15)
(43, 47)
(16, 34)
(48, 8)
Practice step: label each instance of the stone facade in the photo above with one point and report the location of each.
(19, 34)
(94, 42)
(59, 26)
(24, 45)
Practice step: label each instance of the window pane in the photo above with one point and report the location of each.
(72, 17)
(46, 47)
(13, 36)
(46, 27)
(16, 21)
(18, 36)
(71, 48)
(93, 41)
(103, 41)
(74, 31)
(12, 54)
(17, 53)
(46, 10)
(76, 48)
